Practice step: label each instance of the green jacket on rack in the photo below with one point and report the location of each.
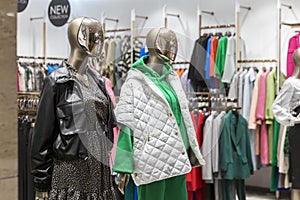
(235, 151)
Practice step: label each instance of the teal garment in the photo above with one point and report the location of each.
(234, 147)
(124, 146)
(129, 190)
(274, 174)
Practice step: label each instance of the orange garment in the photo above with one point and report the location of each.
(180, 72)
(213, 54)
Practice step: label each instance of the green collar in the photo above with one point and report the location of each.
(141, 65)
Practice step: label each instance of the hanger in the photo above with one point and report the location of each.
(228, 33)
(220, 34)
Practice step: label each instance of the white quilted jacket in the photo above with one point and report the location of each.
(159, 152)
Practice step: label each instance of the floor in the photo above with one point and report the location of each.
(263, 195)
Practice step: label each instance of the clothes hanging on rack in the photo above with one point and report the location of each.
(27, 105)
(196, 70)
(25, 181)
(117, 59)
(30, 76)
(213, 61)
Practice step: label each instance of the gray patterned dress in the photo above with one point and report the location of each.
(89, 178)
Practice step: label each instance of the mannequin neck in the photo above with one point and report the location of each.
(155, 63)
(76, 57)
(296, 73)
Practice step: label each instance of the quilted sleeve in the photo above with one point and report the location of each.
(124, 109)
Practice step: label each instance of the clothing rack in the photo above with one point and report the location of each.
(133, 30)
(258, 61)
(40, 58)
(108, 19)
(166, 15)
(118, 30)
(198, 93)
(27, 103)
(181, 63)
(200, 28)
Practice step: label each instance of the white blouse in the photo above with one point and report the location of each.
(286, 101)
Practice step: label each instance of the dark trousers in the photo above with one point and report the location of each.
(228, 187)
(26, 189)
(294, 141)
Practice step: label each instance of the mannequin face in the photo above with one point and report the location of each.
(90, 36)
(163, 43)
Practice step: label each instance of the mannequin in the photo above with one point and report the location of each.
(287, 101)
(153, 77)
(72, 136)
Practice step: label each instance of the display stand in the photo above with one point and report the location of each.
(166, 15)
(44, 34)
(133, 31)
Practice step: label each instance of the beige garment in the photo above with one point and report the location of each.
(110, 61)
(104, 56)
(252, 117)
(282, 160)
(284, 181)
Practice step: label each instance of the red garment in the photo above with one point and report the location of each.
(194, 178)
(213, 54)
(199, 194)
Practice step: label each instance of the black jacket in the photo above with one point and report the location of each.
(55, 134)
(196, 69)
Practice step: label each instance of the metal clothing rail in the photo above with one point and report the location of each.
(218, 26)
(290, 24)
(118, 30)
(29, 93)
(40, 58)
(257, 61)
(181, 63)
(109, 19)
(166, 15)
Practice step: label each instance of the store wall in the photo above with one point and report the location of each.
(8, 96)
(30, 32)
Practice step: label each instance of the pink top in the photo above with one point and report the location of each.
(252, 116)
(116, 129)
(293, 45)
(261, 100)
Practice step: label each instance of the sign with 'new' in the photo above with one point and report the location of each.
(59, 12)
